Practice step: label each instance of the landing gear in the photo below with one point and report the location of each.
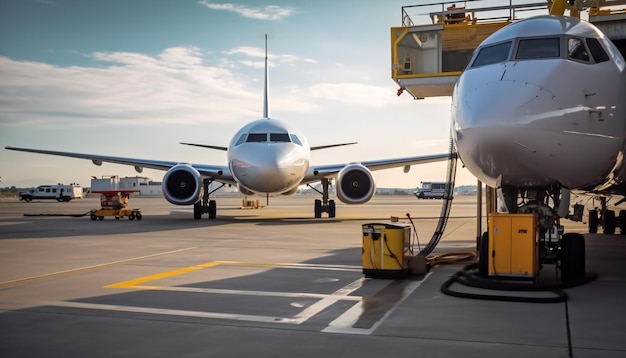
(206, 206)
(324, 205)
(604, 217)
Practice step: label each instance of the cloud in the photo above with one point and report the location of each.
(172, 87)
(353, 94)
(268, 12)
(256, 52)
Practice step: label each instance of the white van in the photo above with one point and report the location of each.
(57, 192)
(431, 190)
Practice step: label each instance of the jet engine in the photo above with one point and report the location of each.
(182, 185)
(355, 184)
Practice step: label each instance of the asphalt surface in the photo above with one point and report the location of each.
(273, 282)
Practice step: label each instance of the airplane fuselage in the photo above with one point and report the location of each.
(268, 156)
(543, 102)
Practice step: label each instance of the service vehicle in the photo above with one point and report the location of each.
(58, 192)
(431, 190)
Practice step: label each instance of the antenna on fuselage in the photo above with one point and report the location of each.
(266, 109)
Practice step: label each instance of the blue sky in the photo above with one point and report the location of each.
(136, 77)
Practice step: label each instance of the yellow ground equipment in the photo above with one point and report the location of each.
(115, 203)
(513, 250)
(386, 249)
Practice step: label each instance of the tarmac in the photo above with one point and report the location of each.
(273, 282)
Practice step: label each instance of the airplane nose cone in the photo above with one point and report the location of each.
(271, 169)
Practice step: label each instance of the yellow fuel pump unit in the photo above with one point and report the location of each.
(386, 249)
(513, 250)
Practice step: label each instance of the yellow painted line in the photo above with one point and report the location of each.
(86, 268)
(138, 283)
(135, 283)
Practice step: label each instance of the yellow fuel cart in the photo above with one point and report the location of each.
(386, 249)
(115, 203)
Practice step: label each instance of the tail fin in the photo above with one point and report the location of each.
(266, 109)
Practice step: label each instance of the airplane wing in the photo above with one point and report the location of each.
(224, 148)
(217, 172)
(316, 172)
(331, 145)
(217, 147)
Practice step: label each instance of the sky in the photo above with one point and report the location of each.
(135, 78)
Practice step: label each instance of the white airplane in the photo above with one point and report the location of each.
(541, 110)
(267, 157)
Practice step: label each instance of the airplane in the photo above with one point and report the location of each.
(539, 112)
(267, 157)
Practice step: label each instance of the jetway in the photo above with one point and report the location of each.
(436, 41)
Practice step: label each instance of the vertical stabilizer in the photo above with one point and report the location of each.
(266, 109)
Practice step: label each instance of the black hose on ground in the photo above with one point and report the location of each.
(70, 215)
(469, 276)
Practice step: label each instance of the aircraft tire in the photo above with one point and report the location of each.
(593, 221)
(332, 209)
(197, 211)
(483, 256)
(212, 209)
(609, 222)
(318, 208)
(131, 217)
(573, 257)
(622, 222)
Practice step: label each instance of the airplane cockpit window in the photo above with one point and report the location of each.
(532, 49)
(492, 54)
(257, 137)
(576, 50)
(241, 139)
(279, 137)
(598, 53)
(295, 139)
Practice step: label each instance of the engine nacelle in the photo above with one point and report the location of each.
(355, 184)
(245, 191)
(182, 185)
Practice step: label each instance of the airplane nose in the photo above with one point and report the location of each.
(504, 102)
(272, 169)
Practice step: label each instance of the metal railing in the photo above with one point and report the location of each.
(480, 10)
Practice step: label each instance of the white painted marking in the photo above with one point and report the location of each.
(170, 312)
(345, 322)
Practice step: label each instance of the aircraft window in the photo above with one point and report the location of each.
(257, 137)
(492, 54)
(529, 49)
(598, 53)
(576, 50)
(295, 139)
(279, 137)
(241, 139)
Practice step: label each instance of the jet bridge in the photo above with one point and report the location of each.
(427, 59)
(436, 41)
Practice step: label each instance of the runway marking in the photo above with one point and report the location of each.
(86, 268)
(346, 322)
(172, 312)
(136, 283)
